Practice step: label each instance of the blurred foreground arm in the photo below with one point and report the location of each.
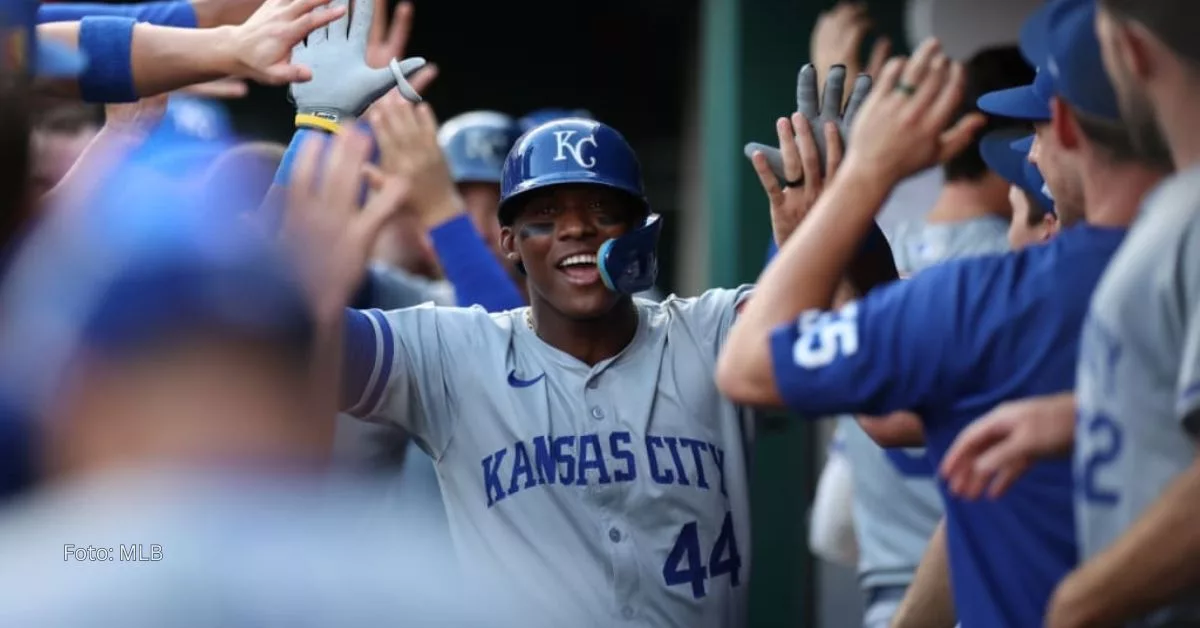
(929, 601)
(128, 60)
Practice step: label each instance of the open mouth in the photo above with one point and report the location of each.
(581, 270)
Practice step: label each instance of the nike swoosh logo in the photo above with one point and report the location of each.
(517, 382)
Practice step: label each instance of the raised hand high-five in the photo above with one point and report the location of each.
(330, 235)
(343, 84)
(408, 149)
(907, 123)
(262, 45)
(820, 109)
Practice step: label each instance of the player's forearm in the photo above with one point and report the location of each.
(1156, 561)
(898, 429)
(160, 58)
(803, 276)
(929, 602)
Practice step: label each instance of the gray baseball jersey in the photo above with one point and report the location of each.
(896, 506)
(226, 550)
(615, 494)
(1138, 386)
(917, 245)
(405, 473)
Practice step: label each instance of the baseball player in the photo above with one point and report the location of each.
(584, 425)
(1131, 417)
(1033, 218)
(475, 144)
(894, 502)
(950, 343)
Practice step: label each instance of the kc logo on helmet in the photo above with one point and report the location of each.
(487, 145)
(563, 142)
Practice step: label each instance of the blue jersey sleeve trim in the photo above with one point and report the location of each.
(178, 14)
(108, 43)
(478, 277)
(383, 369)
(366, 361)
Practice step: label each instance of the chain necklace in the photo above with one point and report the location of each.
(529, 319)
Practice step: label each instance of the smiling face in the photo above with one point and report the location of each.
(556, 233)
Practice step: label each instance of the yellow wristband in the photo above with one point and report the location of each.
(311, 121)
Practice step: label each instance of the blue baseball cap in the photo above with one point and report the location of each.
(1064, 33)
(134, 265)
(1013, 166)
(1027, 102)
(20, 50)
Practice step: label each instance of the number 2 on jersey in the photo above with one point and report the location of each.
(684, 564)
(1108, 438)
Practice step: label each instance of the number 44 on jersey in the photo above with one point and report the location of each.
(685, 564)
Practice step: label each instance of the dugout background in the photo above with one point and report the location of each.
(688, 82)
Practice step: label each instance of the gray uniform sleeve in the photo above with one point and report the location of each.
(1186, 286)
(416, 370)
(710, 315)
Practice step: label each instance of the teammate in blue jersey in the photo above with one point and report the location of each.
(948, 344)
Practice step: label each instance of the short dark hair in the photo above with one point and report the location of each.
(1037, 212)
(1167, 19)
(989, 70)
(68, 117)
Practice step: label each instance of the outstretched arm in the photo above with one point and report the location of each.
(895, 135)
(129, 60)
(929, 601)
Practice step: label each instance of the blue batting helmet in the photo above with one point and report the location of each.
(538, 117)
(475, 144)
(580, 151)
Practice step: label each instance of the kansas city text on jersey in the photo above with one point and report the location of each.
(581, 459)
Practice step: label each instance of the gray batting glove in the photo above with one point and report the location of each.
(342, 84)
(819, 108)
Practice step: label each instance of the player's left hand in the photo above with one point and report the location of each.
(331, 237)
(210, 13)
(801, 165)
(408, 149)
(995, 450)
(343, 85)
(905, 125)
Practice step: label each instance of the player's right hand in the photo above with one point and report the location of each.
(905, 126)
(994, 451)
(408, 149)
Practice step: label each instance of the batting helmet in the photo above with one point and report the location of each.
(475, 144)
(538, 117)
(580, 151)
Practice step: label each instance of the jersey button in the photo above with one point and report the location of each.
(614, 535)
(627, 612)
(597, 413)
